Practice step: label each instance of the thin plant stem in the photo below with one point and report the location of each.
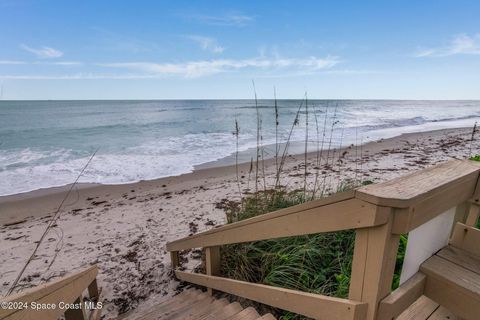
(287, 144)
(474, 130)
(258, 143)
(306, 149)
(329, 147)
(237, 134)
(277, 123)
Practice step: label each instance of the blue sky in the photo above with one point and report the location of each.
(214, 49)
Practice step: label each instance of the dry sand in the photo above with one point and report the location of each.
(124, 228)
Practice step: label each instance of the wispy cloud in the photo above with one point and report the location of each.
(53, 63)
(61, 63)
(12, 62)
(260, 66)
(43, 52)
(460, 44)
(207, 43)
(232, 19)
(77, 76)
(196, 69)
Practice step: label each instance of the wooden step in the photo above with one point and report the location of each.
(225, 313)
(198, 309)
(246, 314)
(443, 313)
(426, 309)
(173, 305)
(419, 310)
(453, 281)
(267, 316)
(188, 294)
(187, 308)
(194, 304)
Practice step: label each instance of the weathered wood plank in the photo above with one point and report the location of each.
(174, 259)
(225, 313)
(276, 214)
(400, 299)
(66, 289)
(443, 313)
(310, 305)
(473, 215)
(359, 264)
(76, 314)
(466, 238)
(267, 316)
(93, 292)
(337, 197)
(177, 302)
(373, 265)
(247, 314)
(461, 257)
(212, 263)
(343, 215)
(419, 213)
(435, 181)
(453, 287)
(419, 310)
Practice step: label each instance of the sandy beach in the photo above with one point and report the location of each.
(124, 228)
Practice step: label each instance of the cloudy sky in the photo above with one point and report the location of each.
(214, 49)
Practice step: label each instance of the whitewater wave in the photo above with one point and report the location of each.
(46, 144)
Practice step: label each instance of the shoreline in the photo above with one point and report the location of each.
(124, 228)
(202, 170)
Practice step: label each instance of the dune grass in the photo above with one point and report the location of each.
(318, 263)
(475, 157)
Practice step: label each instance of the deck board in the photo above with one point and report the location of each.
(461, 258)
(419, 310)
(443, 313)
(453, 281)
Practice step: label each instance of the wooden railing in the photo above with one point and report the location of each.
(378, 213)
(51, 300)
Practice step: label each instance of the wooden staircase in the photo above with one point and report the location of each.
(451, 287)
(453, 280)
(441, 270)
(195, 304)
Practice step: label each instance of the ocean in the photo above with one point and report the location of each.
(47, 143)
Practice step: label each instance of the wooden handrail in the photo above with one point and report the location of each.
(413, 188)
(65, 290)
(379, 213)
(279, 213)
(311, 305)
(341, 215)
(421, 196)
(433, 189)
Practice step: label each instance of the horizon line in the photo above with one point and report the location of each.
(223, 99)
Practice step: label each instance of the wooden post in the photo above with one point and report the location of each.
(461, 213)
(212, 263)
(474, 206)
(473, 215)
(373, 265)
(174, 259)
(76, 314)
(93, 292)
